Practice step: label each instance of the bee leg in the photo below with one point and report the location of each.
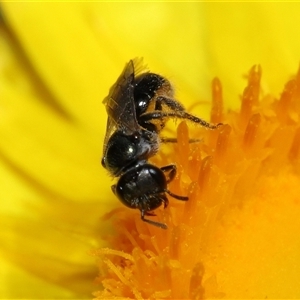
(180, 115)
(171, 103)
(182, 198)
(170, 172)
(168, 140)
(165, 200)
(150, 213)
(174, 140)
(160, 225)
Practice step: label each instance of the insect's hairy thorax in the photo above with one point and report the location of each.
(149, 94)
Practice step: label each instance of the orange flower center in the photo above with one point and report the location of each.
(236, 236)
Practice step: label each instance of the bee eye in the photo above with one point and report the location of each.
(145, 89)
(142, 103)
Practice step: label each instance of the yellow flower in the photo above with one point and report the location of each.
(58, 61)
(236, 236)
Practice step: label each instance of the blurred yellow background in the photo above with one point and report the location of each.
(58, 61)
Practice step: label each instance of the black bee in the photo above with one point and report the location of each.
(138, 106)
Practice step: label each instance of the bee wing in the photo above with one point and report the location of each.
(120, 104)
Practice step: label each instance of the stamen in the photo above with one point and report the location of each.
(216, 115)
